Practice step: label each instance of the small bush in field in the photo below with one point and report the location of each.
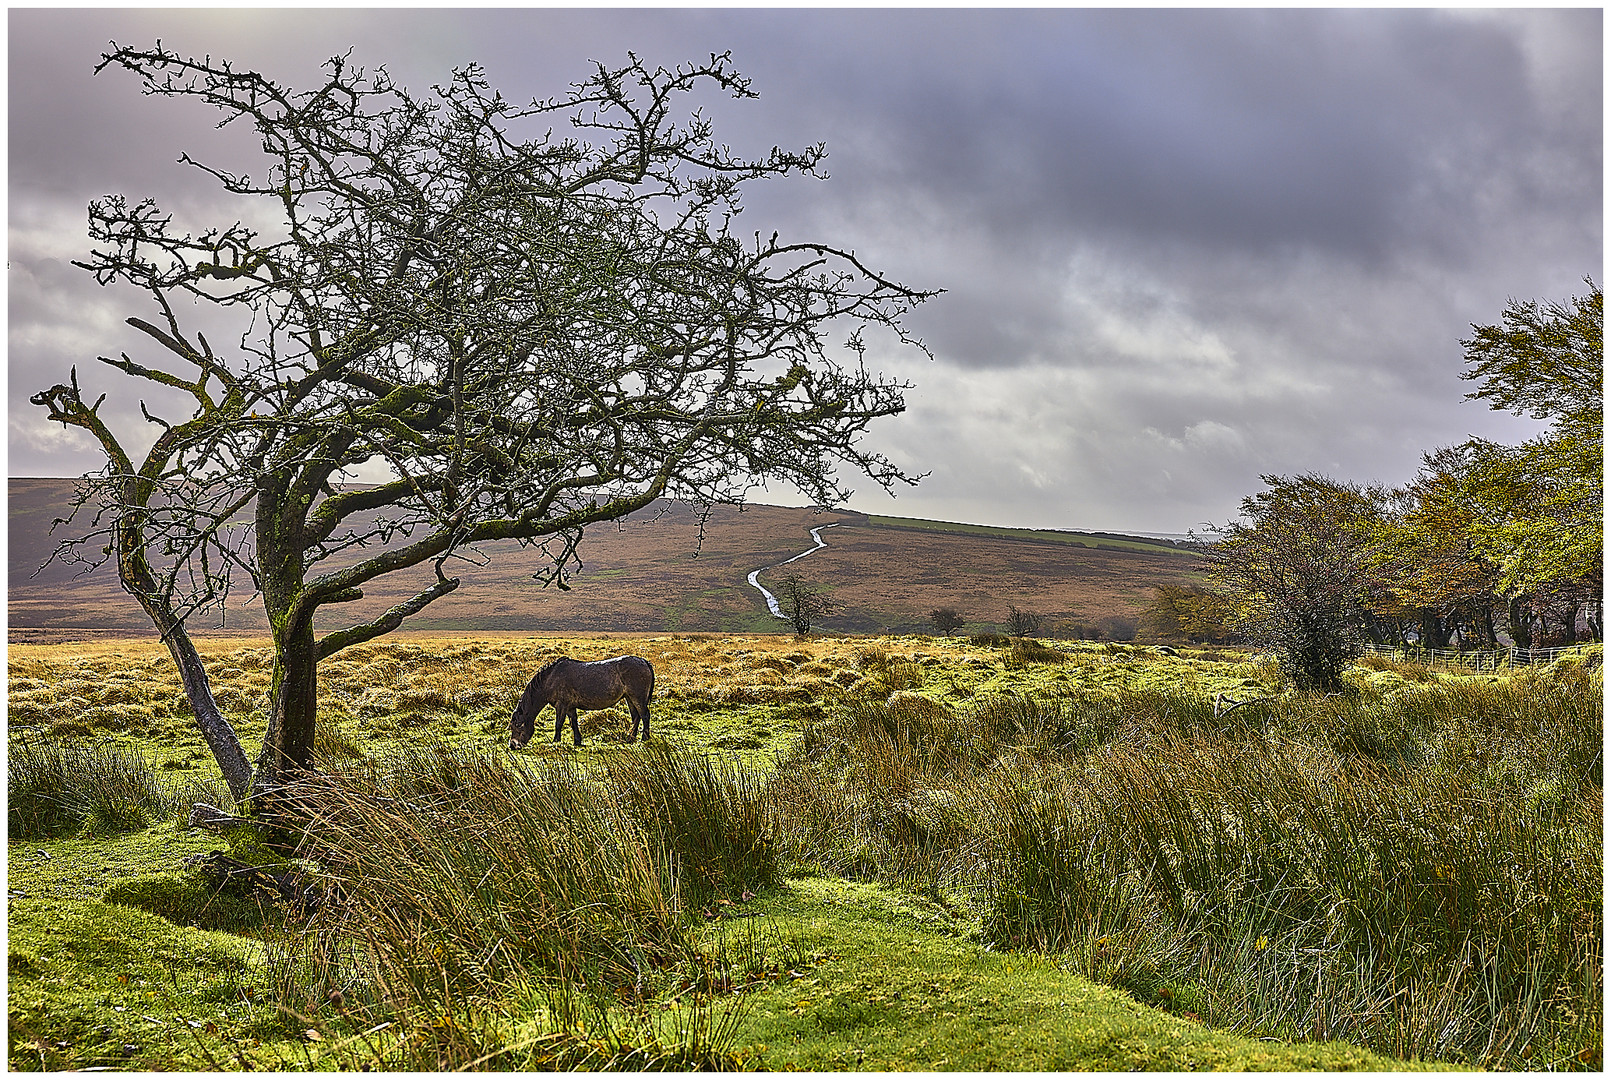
(1022, 624)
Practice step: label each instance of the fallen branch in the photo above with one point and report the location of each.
(1230, 704)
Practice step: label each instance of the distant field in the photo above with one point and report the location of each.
(653, 572)
(1109, 541)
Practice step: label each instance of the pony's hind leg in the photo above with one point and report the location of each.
(640, 714)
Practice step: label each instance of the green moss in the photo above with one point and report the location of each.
(183, 897)
(887, 980)
(103, 985)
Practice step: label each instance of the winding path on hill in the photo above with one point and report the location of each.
(772, 601)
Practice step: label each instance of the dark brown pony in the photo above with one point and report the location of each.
(570, 685)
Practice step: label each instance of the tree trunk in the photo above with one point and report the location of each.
(1434, 635)
(136, 579)
(294, 697)
(1490, 634)
(288, 743)
(217, 731)
(1521, 622)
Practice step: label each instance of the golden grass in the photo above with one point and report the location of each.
(748, 693)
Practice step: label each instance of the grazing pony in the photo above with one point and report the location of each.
(570, 685)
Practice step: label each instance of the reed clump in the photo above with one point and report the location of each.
(58, 788)
(1417, 871)
(467, 883)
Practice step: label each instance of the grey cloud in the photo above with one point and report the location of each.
(1249, 129)
(1181, 248)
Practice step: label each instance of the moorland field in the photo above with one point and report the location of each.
(895, 852)
(654, 573)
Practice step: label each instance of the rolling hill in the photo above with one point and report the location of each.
(651, 572)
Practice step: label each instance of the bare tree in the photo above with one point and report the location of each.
(524, 332)
(947, 619)
(1022, 623)
(802, 603)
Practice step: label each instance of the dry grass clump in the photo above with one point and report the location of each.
(1416, 871)
(778, 664)
(54, 789)
(1030, 651)
(908, 707)
(476, 889)
(1409, 670)
(765, 694)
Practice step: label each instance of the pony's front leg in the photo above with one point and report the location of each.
(576, 727)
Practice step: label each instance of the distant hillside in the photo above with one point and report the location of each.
(1148, 545)
(650, 572)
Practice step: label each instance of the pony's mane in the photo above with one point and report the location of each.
(546, 668)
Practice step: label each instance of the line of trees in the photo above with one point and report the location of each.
(1486, 541)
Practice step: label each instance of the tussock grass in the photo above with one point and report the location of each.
(707, 813)
(475, 887)
(1417, 871)
(1030, 651)
(54, 789)
(1406, 669)
(1410, 914)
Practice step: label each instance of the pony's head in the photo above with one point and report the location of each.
(521, 725)
(523, 721)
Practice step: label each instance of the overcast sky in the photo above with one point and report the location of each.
(1179, 248)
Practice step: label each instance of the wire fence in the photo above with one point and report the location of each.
(1478, 660)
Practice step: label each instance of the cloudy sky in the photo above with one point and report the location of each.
(1179, 248)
